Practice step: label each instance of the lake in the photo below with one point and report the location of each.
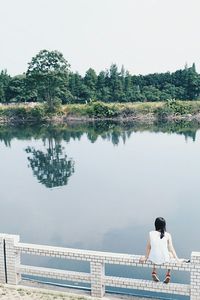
(100, 186)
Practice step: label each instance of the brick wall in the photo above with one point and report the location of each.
(12, 248)
(195, 276)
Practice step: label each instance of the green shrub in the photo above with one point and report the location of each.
(126, 111)
(174, 107)
(162, 112)
(179, 107)
(2, 112)
(19, 112)
(23, 113)
(54, 107)
(100, 109)
(37, 112)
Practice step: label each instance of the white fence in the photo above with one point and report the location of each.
(11, 268)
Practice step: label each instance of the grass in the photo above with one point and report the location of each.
(123, 110)
(22, 113)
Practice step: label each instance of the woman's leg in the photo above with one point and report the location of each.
(154, 275)
(168, 276)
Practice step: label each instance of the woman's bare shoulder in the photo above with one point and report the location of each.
(168, 235)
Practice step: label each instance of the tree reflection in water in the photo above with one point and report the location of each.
(112, 131)
(51, 167)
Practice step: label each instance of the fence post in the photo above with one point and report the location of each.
(97, 270)
(2, 260)
(12, 259)
(195, 276)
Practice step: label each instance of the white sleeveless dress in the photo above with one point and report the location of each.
(159, 253)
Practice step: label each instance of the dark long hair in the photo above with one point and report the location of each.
(160, 225)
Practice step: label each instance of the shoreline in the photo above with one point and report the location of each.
(145, 112)
(55, 120)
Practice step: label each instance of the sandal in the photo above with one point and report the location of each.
(155, 277)
(167, 278)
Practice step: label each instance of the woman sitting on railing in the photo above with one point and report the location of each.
(159, 248)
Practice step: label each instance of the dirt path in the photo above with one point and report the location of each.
(8, 292)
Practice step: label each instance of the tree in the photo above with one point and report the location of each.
(48, 73)
(90, 81)
(115, 84)
(4, 83)
(131, 91)
(188, 83)
(128, 87)
(52, 168)
(168, 92)
(192, 83)
(102, 88)
(16, 90)
(48, 79)
(151, 93)
(2, 93)
(80, 92)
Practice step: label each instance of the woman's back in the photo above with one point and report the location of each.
(159, 252)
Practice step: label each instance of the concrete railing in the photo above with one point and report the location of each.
(11, 268)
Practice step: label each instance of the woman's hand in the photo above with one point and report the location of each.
(142, 259)
(183, 260)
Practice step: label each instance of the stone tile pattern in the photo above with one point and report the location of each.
(97, 276)
(147, 285)
(12, 259)
(2, 264)
(195, 276)
(97, 270)
(54, 273)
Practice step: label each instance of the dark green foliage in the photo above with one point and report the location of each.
(4, 85)
(80, 93)
(162, 112)
(99, 109)
(175, 108)
(102, 89)
(16, 90)
(90, 81)
(48, 75)
(48, 80)
(38, 113)
(179, 108)
(151, 93)
(18, 112)
(115, 83)
(24, 113)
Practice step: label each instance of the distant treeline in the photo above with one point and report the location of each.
(48, 77)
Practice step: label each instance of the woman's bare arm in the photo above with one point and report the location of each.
(148, 248)
(171, 248)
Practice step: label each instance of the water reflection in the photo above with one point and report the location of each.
(110, 130)
(52, 167)
(126, 175)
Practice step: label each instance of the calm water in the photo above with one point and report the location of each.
(100, 186)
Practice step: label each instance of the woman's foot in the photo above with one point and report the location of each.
(155, 277)
(167, 278)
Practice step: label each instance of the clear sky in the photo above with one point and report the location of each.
(146, 36)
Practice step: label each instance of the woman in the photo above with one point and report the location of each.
(159, 248)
